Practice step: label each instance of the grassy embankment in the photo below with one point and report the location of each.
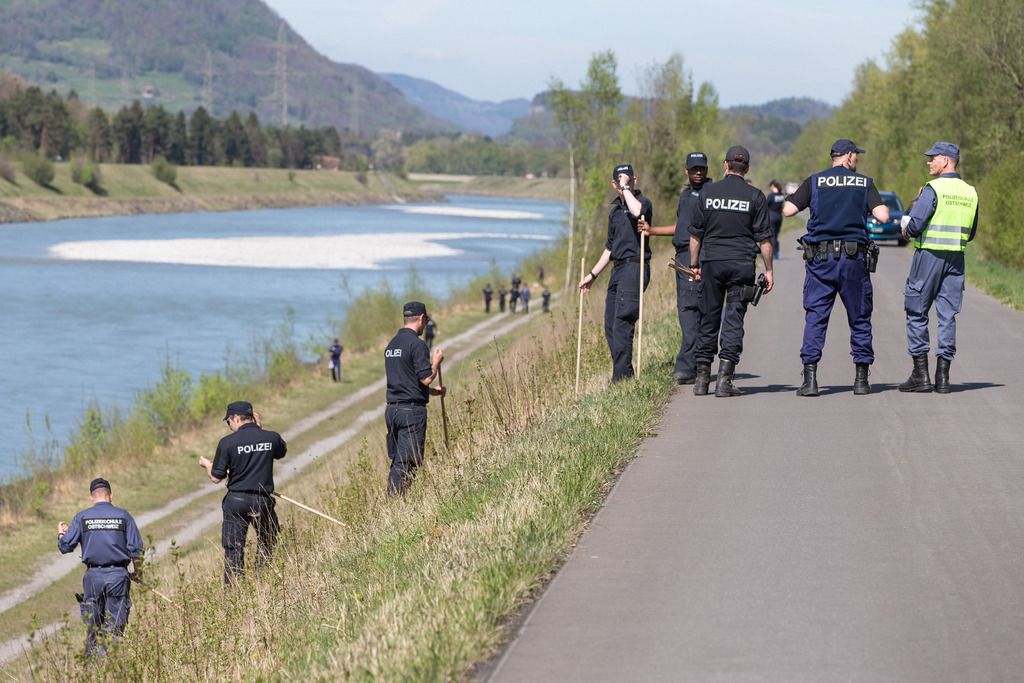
(132, 189)
(554, 189)
(414, 589)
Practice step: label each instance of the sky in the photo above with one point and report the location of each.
(493, 50)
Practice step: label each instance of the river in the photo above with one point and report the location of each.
(92, 309)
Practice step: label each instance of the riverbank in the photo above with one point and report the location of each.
(128, 190)
(552, 189)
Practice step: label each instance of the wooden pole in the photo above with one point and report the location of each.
(640, 322)
(579, 330)
(444, 413)
(309, 509)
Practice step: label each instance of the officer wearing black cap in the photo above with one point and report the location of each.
(837, 255)
(246, 459)
(622, 301)
(729, 227)
(110, 541)
(410, 369)
(687, 300)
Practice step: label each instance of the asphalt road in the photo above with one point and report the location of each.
(771, 537)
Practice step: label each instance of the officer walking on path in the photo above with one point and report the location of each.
(429, 332)
(335, 362)
(524, 294)
(488, 295)
(110, 540)
(410, 369)
(622, 301)
(246, 459)
(501, 298)
(775, 200)
(943, 220)
(839, 258)
(545, 298)
(687, 303)
(730, 225)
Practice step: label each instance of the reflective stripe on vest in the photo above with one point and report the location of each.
(955, 208)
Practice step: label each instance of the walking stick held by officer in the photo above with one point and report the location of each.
(579, 329)
(640, 318)
(444, 413)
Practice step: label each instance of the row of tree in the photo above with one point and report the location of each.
(958, 76)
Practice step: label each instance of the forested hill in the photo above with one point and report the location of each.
(489, 118)
(114, 51)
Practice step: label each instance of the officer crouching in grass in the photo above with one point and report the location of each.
(246, 459)
(410, 369)
(110, 541)
(622, 301)
(729, 226)
(839, 258)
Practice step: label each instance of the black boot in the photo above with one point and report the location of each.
(684, 378)
(724, 386)
(942, 375)
(919, 379)
(810, 385)
(860, 380)
(703, 379)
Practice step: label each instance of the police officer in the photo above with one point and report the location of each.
(488, 295)
(729, 226)
(429, 332)
(513, 296)
(836, 252)
(246, 459)
(545, 298)
(501, 298)
(687, 304)
(622, 301)
(110, 541)
(410, 369)
(524, 294)
(775, 200)
(943, 220)
(335, 362)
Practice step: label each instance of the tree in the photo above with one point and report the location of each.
(155, 133)
(201, 137)
(127, 131)
(177, 140)
(235, 141)
(257, 143)
(99, 136)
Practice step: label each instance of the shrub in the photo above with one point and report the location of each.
(7, 171)
(211, 394)
(1001, 228)
(166, 404)
(40, 170)
(164, 171)
(86, 173)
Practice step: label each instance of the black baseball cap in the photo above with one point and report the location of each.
(695, 159)
(622, 168)
(413, 309)
(738, 153)
(99, 483)
(843, 146)
(243, 408)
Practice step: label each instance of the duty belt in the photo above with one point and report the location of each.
(833, 247)
(122, 565)
(407, 403)
(631, 259)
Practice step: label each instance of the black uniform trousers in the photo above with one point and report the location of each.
(407, 437)
(105, 606)
(240, 510)
(717, 277)
(621, 311)
(688, 307)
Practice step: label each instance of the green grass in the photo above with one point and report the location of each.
(414, 589)
(995, 279)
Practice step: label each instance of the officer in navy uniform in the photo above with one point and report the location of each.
(410, 369)
(488, 295)
(775, 200)
(110, 541)
(729, 227)
(837, 249)
(622, 301)
(246, 459)
(687, 291)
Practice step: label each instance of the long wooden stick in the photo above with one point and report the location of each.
(579, 330)
(309, 509)
(640, 322)
(160, 595)
(444, 413)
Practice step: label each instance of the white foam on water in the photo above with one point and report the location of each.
(328, 252)
(469, 213)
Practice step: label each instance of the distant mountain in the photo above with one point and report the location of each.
(489, 118)
(180, 53)
(537, 126)
(770, 129)
(800, 110)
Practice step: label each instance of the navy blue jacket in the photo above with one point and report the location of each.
(107, 533)
(840, 200)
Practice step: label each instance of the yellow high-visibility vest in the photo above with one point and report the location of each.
(950, 226)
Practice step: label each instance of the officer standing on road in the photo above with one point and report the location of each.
(687, 297)
(943, 220)
(110, 540)
(410, 369)
(622, 302)
(838, 259)
(775, 200)
(246, 459)
(488, 295)
(730, 225)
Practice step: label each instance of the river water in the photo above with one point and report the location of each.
(92, 309)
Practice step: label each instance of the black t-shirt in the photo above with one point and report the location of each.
(246, 458)
(775, 201)
(688, 200)
(731, 218)
(406, 362)
(623, 239)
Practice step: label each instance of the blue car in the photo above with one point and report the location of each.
(891, 230)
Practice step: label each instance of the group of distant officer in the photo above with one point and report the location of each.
(515, 293)
(722, 226)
